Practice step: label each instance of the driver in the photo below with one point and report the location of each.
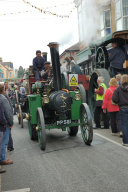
(117, 59)
(38, 65)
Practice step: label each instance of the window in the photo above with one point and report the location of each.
(10, 74)
(125, 7)
(121, 11)
(125, 14)
(118, 10)
(105, 23)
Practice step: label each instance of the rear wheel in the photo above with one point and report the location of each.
(21, 116)
(41, 129)
(17, 98)
(72, 131)
(86, 124)
(102, 60)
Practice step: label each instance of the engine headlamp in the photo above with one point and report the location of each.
(45, 99)
(77, 97)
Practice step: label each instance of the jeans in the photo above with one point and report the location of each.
(115, 121)
(37, 75)
(97, 113)
(1, 139)
(124, 120)
(4, 144)
(114, 71)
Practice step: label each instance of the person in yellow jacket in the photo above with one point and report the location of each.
(100, 91)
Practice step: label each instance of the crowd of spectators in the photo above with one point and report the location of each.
(112, 103)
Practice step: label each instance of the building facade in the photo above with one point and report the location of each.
(5, 71)
(71, 51)
(101, 16)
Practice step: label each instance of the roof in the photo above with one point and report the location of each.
(75, 47)
(111, 38)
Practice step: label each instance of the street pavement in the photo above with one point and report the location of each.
(67, 164)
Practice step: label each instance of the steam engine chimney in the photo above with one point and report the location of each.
(45, 55)
(56, 65)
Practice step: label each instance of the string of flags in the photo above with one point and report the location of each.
(49, 12)
(43, 10)
(60, 5)
(17, 12)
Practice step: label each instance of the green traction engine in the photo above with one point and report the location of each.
(52, 106)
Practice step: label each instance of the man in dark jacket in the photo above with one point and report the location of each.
(120, 97)
(38, 65)
(116, 58)
(3, 124)
(9, 117)
(7, 94)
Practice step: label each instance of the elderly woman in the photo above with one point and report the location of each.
(118, 78)
(120, 97)
(112, 108)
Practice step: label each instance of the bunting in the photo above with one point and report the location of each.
(49, 12)
(17, 12)
(43, 10)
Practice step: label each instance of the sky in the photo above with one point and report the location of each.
(21, 34)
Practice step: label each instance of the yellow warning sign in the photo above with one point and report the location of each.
(73, 80)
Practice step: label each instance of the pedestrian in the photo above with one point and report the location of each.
(9, 117)
(12, 95)
(117, 59)
(100, 91)
(120, 97)
(72, 59)
(75, 69)
(62, 68)
(3, 124)
(22, 89)
(6, 94)
(118, 78)
(112, 108)
(38, 65)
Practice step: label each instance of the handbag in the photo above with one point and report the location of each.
(111, 99)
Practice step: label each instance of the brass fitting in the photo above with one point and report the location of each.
(18, 115)
(27, 116)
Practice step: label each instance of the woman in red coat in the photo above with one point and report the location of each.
(112, 108)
